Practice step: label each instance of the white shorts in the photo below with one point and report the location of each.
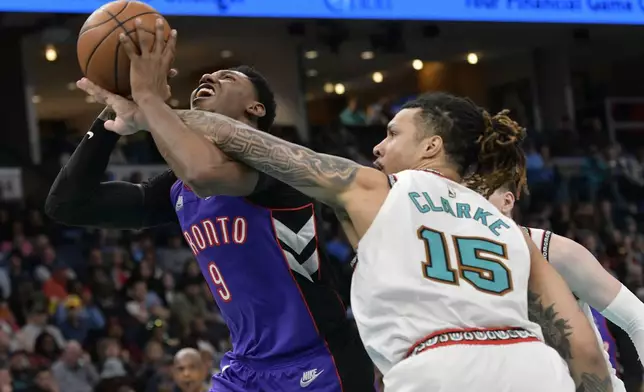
(525, 367)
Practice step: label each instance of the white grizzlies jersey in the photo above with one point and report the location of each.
(438, 256)
(542, 239)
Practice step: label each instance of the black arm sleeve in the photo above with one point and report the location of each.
(79, 198)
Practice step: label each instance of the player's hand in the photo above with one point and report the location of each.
(149, 70)
(129, 119)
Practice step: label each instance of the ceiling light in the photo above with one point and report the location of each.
(71, 86)
(174, 103)
(311, 73)
(377, 77)
(417, 64)
(311, 54)
(226, 54)
(472, 58)
(367, 55)
(50, 53)
(328, 88)
(339, 89)
(36, 99)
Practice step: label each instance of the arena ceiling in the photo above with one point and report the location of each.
(203, 41)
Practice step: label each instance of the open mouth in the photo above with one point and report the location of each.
(205, 91)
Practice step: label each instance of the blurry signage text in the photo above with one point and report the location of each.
(529, 11)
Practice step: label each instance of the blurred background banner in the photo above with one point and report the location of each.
(530, 11)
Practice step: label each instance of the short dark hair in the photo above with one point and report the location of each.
(264, 93)
(485, 149)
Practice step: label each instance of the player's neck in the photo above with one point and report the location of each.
(443, 170)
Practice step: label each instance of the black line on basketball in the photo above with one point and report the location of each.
(88, 28)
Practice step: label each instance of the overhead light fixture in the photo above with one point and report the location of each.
(311, 54)
(472, 58)
(50, 53)
(71, 86)
(311, 73)
(328, 88)
(367, 55)
(226, 54)
(174, 103)
(36, 99)
(339, 89)
(377, 77)
(417, 64)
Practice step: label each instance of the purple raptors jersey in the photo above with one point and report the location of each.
(607, 337)
(260, 257)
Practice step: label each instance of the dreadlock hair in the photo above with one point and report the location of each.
(485, 149)
(265, 96)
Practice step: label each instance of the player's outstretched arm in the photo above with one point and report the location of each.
(327, 178)
(79, 198)
(565, 328)
(594, 285)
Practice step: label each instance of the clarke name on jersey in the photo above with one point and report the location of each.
(424, 203)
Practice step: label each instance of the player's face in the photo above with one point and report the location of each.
(401, 149)
(189, 373)
(226, 92)
(503, 200)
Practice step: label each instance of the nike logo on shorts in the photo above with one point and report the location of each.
(309, 376)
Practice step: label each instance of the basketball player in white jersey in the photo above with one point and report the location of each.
(590, 282)
(441, 299)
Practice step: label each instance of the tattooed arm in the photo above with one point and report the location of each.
(565, 328)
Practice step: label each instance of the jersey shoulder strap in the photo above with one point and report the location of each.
(541, 238)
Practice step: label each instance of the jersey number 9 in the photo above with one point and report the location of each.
(479, 262)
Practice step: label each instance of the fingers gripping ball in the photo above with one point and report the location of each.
(100, 53)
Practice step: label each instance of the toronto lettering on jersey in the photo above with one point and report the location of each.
(425, 204)
(218, 231)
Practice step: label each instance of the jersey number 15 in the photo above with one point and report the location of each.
(479, 262)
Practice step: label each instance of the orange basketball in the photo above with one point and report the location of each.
(100, 54)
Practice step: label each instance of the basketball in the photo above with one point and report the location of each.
(100, 55)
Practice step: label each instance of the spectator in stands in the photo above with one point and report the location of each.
(144, 305)
(46, 349)
(189, 304)
(152, 360)
(74, 369)
(44, 381)
(21, 370)
(55, 288)
(76, 320)
(169, 293)
(379, 113)
(6, 381)
(37, 324)
(43, 271)
(173, 257)
(353, 115)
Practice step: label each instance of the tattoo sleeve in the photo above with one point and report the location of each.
(593, 383)
(321, 176)
(556, 330)
(557, 334)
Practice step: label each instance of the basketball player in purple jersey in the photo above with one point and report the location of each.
(255, 240)
(607, 337)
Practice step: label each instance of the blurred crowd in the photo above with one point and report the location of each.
(84, 310)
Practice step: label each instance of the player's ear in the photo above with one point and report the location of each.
(432, 146)
(508, 203)
(256, 109)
